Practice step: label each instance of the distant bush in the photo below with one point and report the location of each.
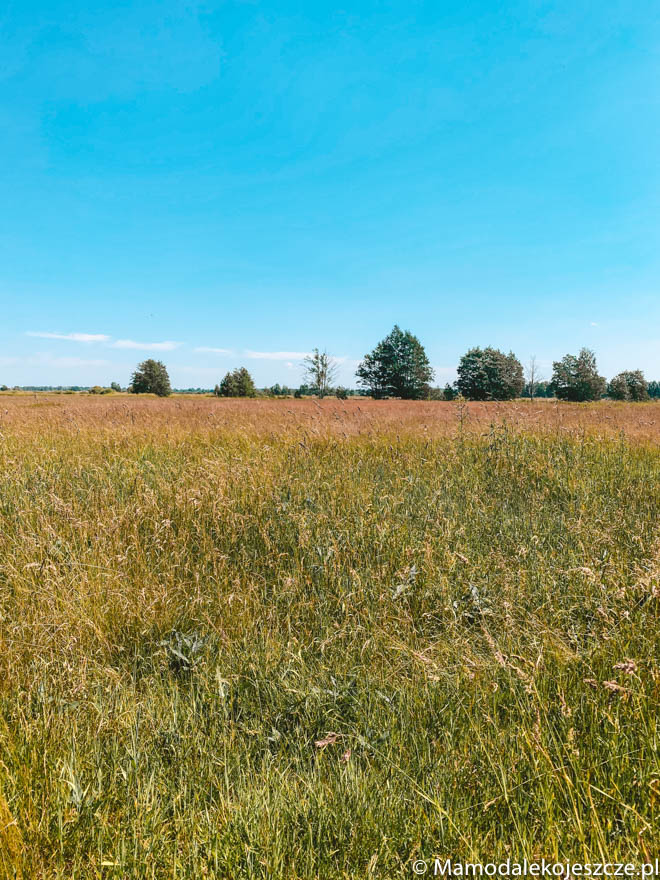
(449, 392)
(341, 393)
(278, 390)
(541, 389)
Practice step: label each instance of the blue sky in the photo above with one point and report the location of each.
(226, 183)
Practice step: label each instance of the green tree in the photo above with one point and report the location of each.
(638, 388)
(617, 388)
(228, 385)
(489, 374)
(150, 377)
(115, 386)
(236, 383)
(576, 378)
(449, 392)
(341, 393)
(628, 385)
(245, 383)
(397, 367)
(320, 371)
(654, 389)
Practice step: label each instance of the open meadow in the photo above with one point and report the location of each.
(292, 639)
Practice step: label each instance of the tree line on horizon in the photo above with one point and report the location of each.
(398, 367)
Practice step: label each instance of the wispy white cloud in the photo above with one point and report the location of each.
(167, 345)
(594, 324)
(71, 337)
(146, 346)
(276, 355)
(210, 350)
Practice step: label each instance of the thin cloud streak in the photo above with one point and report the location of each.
(210, 350)
(70, 337)
(146, 346)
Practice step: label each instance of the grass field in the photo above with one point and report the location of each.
(301, 640)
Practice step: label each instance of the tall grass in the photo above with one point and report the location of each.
(323, 651)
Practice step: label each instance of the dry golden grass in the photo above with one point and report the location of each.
(193, 413)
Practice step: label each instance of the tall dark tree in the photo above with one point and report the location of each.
(576, 378)
(397, 367)
(629, 385)
(150, 377)
(489, 374)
